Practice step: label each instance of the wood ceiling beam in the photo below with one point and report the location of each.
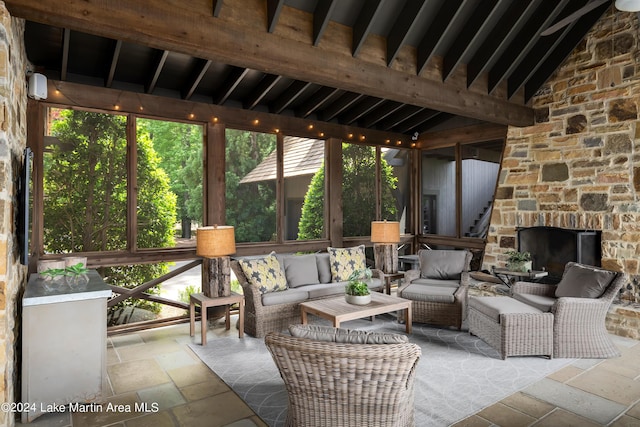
(198, 73)
(66, 36)
(463, 135)
(217, 6)
(321, 17)
(230, 84)
(362, 27)
(399, 117)
(380, 113)
(415, 121)
(472, 29)
(433, 37)
(322, 95)
(266, 84)
(341, 104)
(161, 58)
(405, 22)
(363, 108)
(292, 93)
(274, 8)
(76, 95)
(114, 63)
(168, 25)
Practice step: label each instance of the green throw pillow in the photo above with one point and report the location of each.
(264, 273)
(344, 261)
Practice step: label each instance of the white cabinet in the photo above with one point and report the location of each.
(64, 344)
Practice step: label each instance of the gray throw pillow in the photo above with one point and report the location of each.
(442, 264)
(345, 336)
(324, 269)
(300, 270)
(584, 281)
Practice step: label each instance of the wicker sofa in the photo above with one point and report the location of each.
(308, 277)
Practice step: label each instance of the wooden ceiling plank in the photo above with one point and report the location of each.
(291, 94)
(361, 109)
(171, 26)
(322, 95)
(513, 18)
(66, 36)
(463, 135)
(340, 105)
(473, 29)
(405, 22)
(380, 113)
(414, 122)
(433, 37)
(434, 121)
(230, 84)
(321, 18)
(161, 58)
(274, 8)
(114, 63)
(561, 52)
(198, 73)
(523, 42)
(266, 84)
(399, 117)
(362, 27)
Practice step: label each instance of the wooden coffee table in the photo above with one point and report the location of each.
(338, 310)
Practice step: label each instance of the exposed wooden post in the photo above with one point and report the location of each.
(216, 280)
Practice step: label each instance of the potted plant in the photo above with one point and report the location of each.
(76, 275)
(519, 261)
(357, 291)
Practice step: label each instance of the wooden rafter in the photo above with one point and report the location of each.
(266, 84)
(157, 69)
(114, 63)
(194, 31)
(321, 18)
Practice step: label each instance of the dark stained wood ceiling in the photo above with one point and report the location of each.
(401, 66)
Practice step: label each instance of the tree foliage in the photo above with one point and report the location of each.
(358, 190)
(85, 188)
(251, 206)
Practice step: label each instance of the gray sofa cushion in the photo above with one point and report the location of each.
(284, 297)
(495, 306)
(300, 270)
(347, 336)
(583, 281)
(442, 264)
(325, 289)
(429, 293)
(436, 282)
(540, 302)
(324, 267)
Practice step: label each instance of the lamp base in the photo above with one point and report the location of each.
(216, 279)
(385, 256)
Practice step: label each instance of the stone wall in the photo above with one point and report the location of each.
(578, 167)
(13, 137)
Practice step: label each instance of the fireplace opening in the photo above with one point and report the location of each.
(552, 248)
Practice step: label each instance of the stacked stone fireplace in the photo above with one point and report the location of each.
(578, 166)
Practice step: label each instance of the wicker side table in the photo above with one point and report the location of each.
(205, 302)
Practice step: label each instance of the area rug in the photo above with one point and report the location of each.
(457, 376)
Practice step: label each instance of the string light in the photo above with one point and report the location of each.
(256, 122)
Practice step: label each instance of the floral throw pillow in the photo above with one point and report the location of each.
(344, 261)
(264, 273)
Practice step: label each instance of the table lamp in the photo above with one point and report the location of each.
(215, 244)
(385, 236)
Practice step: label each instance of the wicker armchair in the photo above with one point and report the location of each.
(341, 384)
(438, 289)
(579, 322)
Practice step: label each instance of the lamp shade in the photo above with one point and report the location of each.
(628, 5)
(385, 231)
(215, 241)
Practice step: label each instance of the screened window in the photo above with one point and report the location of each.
(251, 172)
(85, 182)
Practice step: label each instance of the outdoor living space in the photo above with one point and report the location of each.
(133, 137)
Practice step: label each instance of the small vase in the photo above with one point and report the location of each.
(358, 299)
(78, 281)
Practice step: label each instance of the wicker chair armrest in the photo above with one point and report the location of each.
(567, 308)
(541, 289)
(465, 278)
(409, 276)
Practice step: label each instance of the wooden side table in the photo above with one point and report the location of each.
(205, 302)
(388, 278)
